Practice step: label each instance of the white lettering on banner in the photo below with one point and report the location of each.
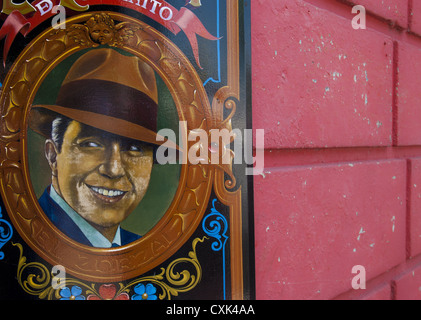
(44, 6)
(164, 12)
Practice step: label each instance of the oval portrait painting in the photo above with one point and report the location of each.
(92, 195)
(95, 131)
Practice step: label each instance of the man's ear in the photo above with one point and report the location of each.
(51, 155)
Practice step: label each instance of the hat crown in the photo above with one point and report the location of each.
(101, 64)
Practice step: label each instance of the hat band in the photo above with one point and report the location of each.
(110, 99)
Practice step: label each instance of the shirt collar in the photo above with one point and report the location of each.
(94, 236)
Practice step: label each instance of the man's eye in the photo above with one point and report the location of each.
(135, 148)
(90, 144)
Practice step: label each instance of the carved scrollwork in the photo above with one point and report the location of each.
(38, 281)
(181, 275)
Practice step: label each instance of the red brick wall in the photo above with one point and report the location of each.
(341, 109)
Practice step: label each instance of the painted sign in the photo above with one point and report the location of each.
(123, 130)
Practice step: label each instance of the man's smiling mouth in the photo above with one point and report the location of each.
(108, 195)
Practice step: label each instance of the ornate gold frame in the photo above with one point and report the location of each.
(196, 181)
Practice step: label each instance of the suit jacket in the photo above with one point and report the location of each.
(66, 225)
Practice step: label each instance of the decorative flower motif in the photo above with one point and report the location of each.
(144, 293)
(108, 292)
(71, 294)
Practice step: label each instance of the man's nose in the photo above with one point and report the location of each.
(112, 166)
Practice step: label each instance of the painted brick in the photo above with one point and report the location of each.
(416, 17)
(317, 82)
(382, 293)
(395, 11)
(408, 286)
(409, 95)
(415, 207)
(373, 291)
(313, 224)
(379, 288)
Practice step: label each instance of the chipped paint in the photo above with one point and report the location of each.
(393, 223)
(336, 75)
(360, 233)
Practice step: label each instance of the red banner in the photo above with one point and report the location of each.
(160, 11)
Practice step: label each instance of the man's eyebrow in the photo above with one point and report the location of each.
(90, 136)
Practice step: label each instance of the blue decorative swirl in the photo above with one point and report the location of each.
(6, 233)
(217, 228)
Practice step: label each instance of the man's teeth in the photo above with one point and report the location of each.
(107, 192)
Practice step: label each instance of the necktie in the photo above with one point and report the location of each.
(114, 245)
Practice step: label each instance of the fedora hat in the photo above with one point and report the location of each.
(109, 91)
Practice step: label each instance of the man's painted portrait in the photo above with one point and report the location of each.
(99, 140)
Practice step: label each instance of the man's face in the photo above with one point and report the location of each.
(102, 176)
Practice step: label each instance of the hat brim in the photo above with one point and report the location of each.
(42, 116)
